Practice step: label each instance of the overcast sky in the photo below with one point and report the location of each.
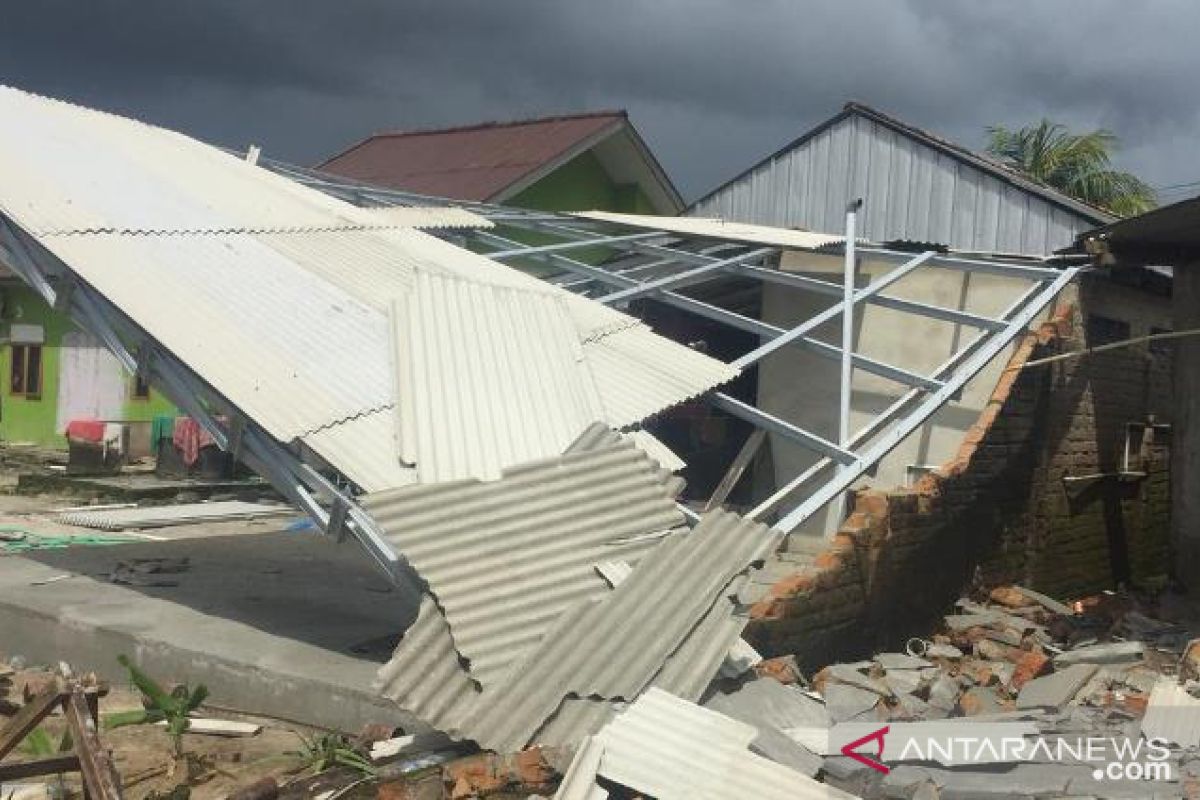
(713, 85)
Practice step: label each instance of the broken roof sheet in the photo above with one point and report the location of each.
(711, 227)
(279, 296)
(671, 749)
(471, 359)
(505, 558)
(613, 647)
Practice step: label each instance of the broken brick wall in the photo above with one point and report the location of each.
(1000, 510)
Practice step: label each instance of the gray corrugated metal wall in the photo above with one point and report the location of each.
(911, 191)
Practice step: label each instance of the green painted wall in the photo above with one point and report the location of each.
(34, 420)
(582, 185)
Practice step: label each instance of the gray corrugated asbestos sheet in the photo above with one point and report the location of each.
(670, 625)
(505, 558)
(671, 749)
(279, 296)
(912, 190)
(613, 647)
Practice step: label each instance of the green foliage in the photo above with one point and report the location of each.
(39, 744)
(1078, 164)
(174, 707)
(329, 750)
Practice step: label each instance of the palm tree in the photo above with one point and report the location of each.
(1078, 164)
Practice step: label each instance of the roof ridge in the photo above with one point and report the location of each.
(616, 113)
(986, 159)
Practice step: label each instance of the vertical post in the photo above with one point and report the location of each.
(850, 271)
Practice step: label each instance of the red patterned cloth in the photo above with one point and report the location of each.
(86, 430)
(189, 437)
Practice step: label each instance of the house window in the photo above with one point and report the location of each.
(141, 388)
(25, 378)
(1103, 330)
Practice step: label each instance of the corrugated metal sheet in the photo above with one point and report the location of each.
(430, 217)
(490, 377)
(613, 647)
(62, 163)
(651, 446)
(579, 782)
(714, 228)
(364, 450)
(476, 162)
(116, 519)
(506, 558)
(1172, 715)
(291, 350)
(639, 373)
(915, 187)
(674, 750)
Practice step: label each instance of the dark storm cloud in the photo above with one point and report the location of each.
(712, 84)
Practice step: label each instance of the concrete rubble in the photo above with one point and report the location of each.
(1019, 657)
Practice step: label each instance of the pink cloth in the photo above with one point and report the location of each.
(189, 437)
(86, 430)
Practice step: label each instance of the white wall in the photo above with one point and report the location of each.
(803, 388)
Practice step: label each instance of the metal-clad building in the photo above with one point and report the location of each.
(915, 186)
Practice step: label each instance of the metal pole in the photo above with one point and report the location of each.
(849, 272)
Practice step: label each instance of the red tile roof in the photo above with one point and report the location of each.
(475, 162)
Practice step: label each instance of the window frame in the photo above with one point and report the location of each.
(19, 358)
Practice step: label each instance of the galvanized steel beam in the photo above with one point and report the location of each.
(930, 404)
(773, 424)
(297, 481)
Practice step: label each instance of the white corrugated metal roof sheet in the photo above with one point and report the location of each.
(117, 519)
(431, 217)
(675, 750)
(713, 228)
(505, 558)
(279, 296)
(490, 376)
(653, 447)
(364, 450)
(291, 350)
(1172, 715)
(640, 373)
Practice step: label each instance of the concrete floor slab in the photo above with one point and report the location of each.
(288, 625)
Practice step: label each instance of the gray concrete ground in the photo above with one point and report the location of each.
(282, 624)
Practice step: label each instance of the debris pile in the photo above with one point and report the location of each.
(1102, 678)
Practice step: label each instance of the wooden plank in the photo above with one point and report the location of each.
(734, 474)
(100, 778)
(33, 712)
(53, 765)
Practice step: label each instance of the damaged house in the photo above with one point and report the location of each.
(487, 438)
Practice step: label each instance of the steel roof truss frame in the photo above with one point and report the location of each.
(889, 414)
(759, 353)
(773, 424)
(500, 255)
(731, 318)
(685, 278)
(930, 404)
(296, 480)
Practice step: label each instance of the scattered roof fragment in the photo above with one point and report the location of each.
(721, 229)
(671, 749)
(505, 558)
